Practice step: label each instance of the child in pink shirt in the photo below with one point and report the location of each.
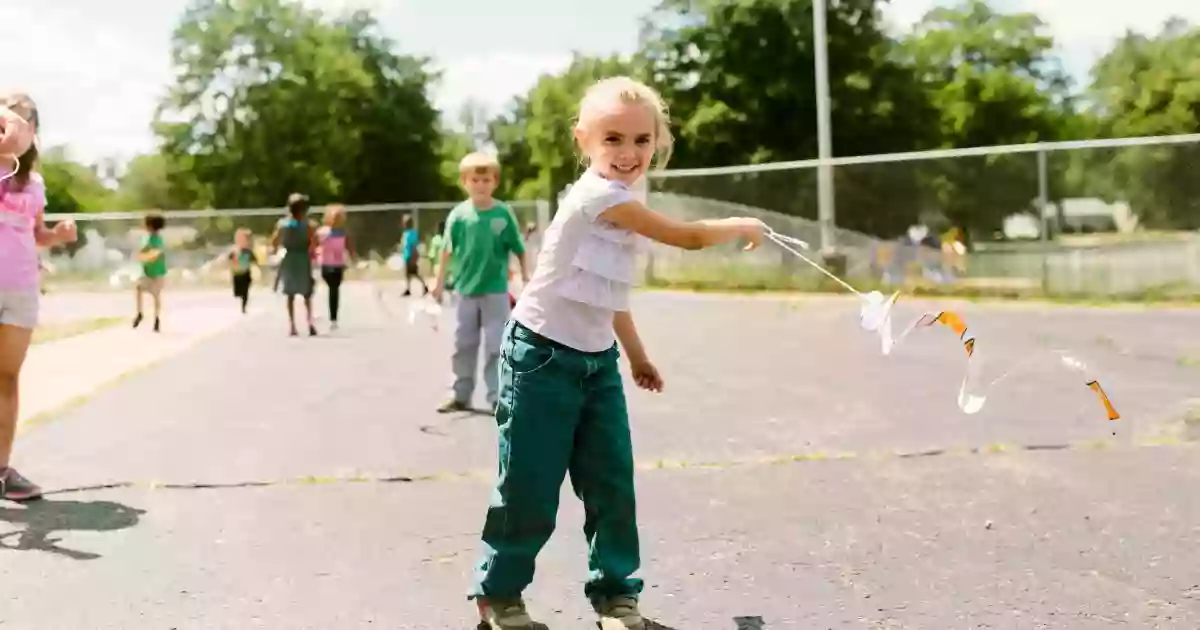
(22, 230)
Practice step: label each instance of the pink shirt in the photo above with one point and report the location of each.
(333, 247)
(19, 210)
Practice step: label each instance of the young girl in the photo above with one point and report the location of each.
(22, 230)
(298, 236)
(335, 249)
(562, 404)
(153, 257)
(241, 261)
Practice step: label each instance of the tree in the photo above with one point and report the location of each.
(71, 187)
(273, 97)
(994, 80)
(1148, 85)
(147, 183)
(519, 178)
(544, 122)
(740, 79)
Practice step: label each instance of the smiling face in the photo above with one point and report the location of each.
(619, 139)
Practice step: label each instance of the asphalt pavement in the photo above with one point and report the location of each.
(789, 477)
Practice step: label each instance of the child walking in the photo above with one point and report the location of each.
(298, 236)
(334, 249)
(153, 257)
(412, 259)
(481, 236)
(562, 404)
(241, 261)
(22, 230)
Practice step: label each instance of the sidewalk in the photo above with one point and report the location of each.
(58, 374)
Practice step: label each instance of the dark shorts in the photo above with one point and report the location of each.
(411, 265)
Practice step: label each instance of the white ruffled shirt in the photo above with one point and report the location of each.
(585, 268)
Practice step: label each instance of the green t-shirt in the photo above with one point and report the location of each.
(481, 242)
(157, 268)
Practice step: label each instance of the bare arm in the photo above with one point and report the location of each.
(443, 260)
(43, 235)
(523, 260)
(627, 335)
(350, 250)
(636, 217)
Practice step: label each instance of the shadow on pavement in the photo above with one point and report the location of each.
(37, 522)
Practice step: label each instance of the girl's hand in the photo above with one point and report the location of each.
(646, 376)
(65, 232)
(752, 230)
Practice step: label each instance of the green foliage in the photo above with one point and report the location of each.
(1150, 86)
(71, 187)
(543, 121)
(273, 97)
(994, 80)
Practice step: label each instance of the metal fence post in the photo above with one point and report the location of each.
(1043, 208)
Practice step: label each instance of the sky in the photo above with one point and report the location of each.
(98, 69)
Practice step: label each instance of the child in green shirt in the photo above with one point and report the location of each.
(480, 237)
(153, 257)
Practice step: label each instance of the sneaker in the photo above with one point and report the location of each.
(137, 320)
(506, 614)
(14, 487)
(452, 405)
(620, 613)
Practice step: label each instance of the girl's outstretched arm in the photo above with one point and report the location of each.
(635, 217)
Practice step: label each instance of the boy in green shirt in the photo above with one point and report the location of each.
(154, 268)
(481, 234)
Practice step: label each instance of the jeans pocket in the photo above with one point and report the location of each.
(524, 357)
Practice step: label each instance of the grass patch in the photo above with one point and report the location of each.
(57, 332)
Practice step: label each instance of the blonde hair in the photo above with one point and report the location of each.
(623, 89)
(477, 162)
(243, 232)
(335, 215)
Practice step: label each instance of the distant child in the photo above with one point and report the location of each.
(153, 256)
(481, 236)
(242, 259)
(334, 249)
(22, 231)
(562, 401)
(298, 235)
(412, 267)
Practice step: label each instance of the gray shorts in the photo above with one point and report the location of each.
(19, 307)
(153, 286)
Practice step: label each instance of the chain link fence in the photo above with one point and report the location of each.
(1103, 218)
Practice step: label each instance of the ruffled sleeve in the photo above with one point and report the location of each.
(604, 267)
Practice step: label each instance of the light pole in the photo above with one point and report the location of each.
(824, 140)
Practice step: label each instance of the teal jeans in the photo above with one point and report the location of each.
(560, 411)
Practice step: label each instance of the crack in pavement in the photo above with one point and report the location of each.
(487, 476)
